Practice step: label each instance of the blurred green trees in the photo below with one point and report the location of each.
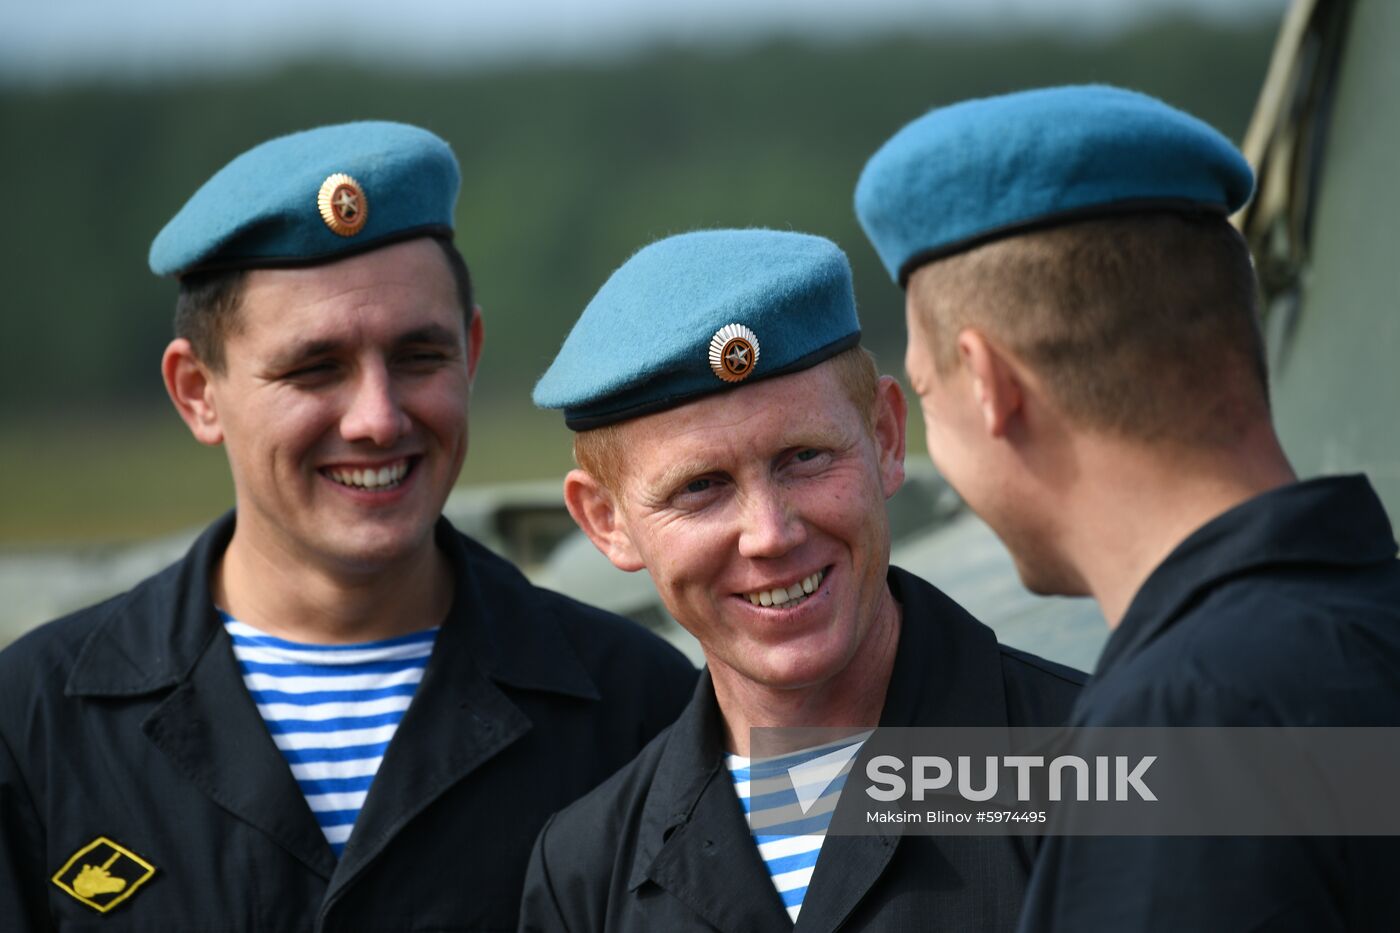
(566, 171)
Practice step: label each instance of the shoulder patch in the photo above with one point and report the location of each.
(102, 874)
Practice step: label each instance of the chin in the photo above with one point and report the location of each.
(375, 552)
(1046, 579)
(795, 671)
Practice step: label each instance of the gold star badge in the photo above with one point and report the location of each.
(102, 874)
(342, 204)
(733, 352)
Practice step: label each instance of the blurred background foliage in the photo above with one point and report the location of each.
(567, 169)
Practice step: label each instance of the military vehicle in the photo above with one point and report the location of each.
(1324, 140)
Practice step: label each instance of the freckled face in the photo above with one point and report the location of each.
(343, 406)
(760, 514)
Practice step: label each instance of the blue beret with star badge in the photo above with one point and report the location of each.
(700, 313)
(314, 197)
(980, 170)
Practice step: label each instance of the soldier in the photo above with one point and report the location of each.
(1084, 341)
(336, 712)
(736, 442)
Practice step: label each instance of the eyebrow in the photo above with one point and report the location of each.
(672, 477)
(431, 334)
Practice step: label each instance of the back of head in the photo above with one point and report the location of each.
(1141, 325)
(1083, 228)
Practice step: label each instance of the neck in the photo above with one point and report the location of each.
(1133, 504)
(852, 698)
(270, 590)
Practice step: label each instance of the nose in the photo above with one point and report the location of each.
(771, 526)
(373, 413)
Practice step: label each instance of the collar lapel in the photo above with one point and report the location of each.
(213, 735)
(947, 672)
(1334, 521)
(460, 718)
(165, 634)
(847, 869)
(152, 636)
(694, 842)
(947, 669)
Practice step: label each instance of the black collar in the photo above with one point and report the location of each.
(947, 672)
(150, 638)
(1333, 521)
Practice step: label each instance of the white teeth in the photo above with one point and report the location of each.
(371, 479)
(780, 596)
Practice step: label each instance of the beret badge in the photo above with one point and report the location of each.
(343, 205)
(733, 352)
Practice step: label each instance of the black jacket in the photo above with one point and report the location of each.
(129, 721)
(1284, 611)
(663, 845)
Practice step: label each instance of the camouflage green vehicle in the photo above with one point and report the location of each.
(1324, 140)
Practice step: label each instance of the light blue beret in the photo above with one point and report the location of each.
(699, 313)
(312, 197)
(979, 170)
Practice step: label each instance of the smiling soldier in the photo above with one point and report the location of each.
(736, 442)
(336, 713)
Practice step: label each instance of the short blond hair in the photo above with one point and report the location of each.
(601, 453)
(1144, 324)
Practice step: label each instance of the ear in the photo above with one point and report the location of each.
(890, 412)
(595, 510)
(997, 383)
(190, 386)
(475, 334)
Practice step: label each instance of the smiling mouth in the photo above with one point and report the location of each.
(787, 597)
(374, 479)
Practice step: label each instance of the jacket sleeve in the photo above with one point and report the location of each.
(540, 910)
(23, 880)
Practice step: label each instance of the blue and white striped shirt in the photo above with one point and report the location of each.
(788, 802)
(332, 710)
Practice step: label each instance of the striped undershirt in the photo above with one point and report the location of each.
(332, 710)
(788, 811)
